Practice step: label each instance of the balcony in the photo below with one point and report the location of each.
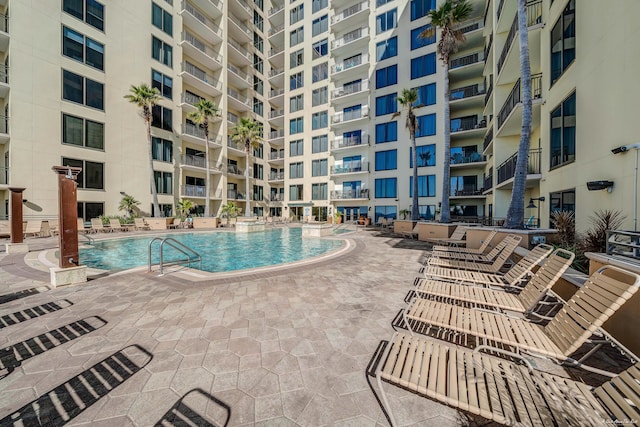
(276, 198)
(350, 116)
(198, 50)
(198, 162)
(507, 122)
(276, 156)
(488, 139)
(279, 176)
(350, 195)
(200, 24)
(235, 170)
(276, 57)
(4, 129)
(350, 67)
(199, 79)
(199, 191)
(195, 133)
(239, 29)
(467, 97)
(468, 123)
(276, 137)
(467, 193)
(235, 195)
(345, 92)
(507, 170)
(466, 67)
(460, 160)
(340, 142)
(488, 183)
(277, 116)
(238, 147)
(488, 101)
(238, 53)
(240, 101)
(350, 40)
(276, 30)
(349, 16)
(4, 176)
(232, 118)
(276, 77)
(350, 168)
(275, 10)
(276, 97)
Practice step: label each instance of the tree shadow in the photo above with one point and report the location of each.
(13, 356)
(33, 312)
(68, 400)
(184, 413)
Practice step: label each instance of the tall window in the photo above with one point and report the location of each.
(387, 212)
(296, 170)
(258, 20)
(426, 94)
(563, 132)
(386, 76)
(386, 160)
(258, 192)
(162, 19)
(296, 36)
(563, 41)
(81, 90)
(296, 58)
(386, 104)
(319, 191)
(164, 182)
(464, 185)
(258, 41)
(320, 25)
(163, 83)
(427, 212)
(296, 81)
(296, 14)
(320, 96)
(90, 11)
(420, 8)
(295, 192)
(296, 148)
(258, 107)
(320, 144)
(563, 201)
(319, 167)
(426, 155)
(423, 66)
(417, 42)
(162, 117)
(161, 149)
(82, 132)
(320, 72)
(426, 125)
(88, 210)
(92, 175)
(319, 120)
(317, 5)
(258, 85)
(296, 126)
(386, 21)
(161, 51)
(320, 49)
(386, 188)
(426, 186)
(77, 46)
(258, 65)
(296, 103)
(386, 132)
(387, 49)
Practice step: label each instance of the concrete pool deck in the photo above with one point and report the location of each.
(282, 347)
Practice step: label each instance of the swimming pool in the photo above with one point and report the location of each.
(220, 251)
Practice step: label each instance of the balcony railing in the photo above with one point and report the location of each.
(274, 52)
(350, 37)
(233, 118)
(275, 9)
(4, 175)
(276, 113)
(276, 30)
(350, 194)
(234, 195)
(515, 97)
(461, 159)
(193, 130)
(488, 182)
(623, 243)
(342, 117)
(197, 161)
(190, 98)
(235, 145)
(273, 93)
(488, 138)
(466, 60)
(351, 167)
(499, 10)
(276, 155)
(465, 92)
(349, 12)
(200, 17)
(234, 169)
(468, 191)
(354, 62)
(534, 17)
(275, 71)
(198, 44)
(275, 134)
(467, 27)
(198, 191)
(507, 169)
(487, 47)
(489, 91)
(238, 96)
(350, 89)
(467, 123)
(276, 197)
(278, 176)
(244, 52)
(196, 72)
(352, 141)
(238, 72)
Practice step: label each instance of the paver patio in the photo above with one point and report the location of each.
(282, 349)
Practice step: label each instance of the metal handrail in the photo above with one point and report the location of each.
(89, 238)
(180, 247)
(624, 243)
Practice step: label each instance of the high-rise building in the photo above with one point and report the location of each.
(322, 77)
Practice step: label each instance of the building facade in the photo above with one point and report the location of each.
(322, 77)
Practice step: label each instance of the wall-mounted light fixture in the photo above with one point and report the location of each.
(600, 185)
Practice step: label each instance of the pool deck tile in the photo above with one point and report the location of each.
(275, 348)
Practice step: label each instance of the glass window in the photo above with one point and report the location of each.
(94, 54)
(319, 167)
(259, 3)
(426, 155)
(164, 182)
(386, 104)
(161, 149)
(258, 85)
(563, 41)
(296, 126)
(296, 103)
(258, 64)
(386, 76)
(162, 19)
(92, 175)
(320, 96)
(72, 44)
(320, 49)
(387, 212)
(319, 191)
(161, 117)
(296, 170)
(161, 51)
(163, 83)
(296, 14)
(563, 201)
(427, 212)
(386, 188)
(258, 191)
(89, 210)
(386, 132)
(386, 160)
(464, 185)
(426, 186)
(317, 5)
(84, 91)
(426, 125)
(386, 21)
(296, 148)
(95, 94)
(296, 58)
(320, 25)
(320, 144)
(319, 120)
(82, 132)
(417, 42)
(563, 132)
(320, 72)
(74, 7)
(420, 8)
(258, 107)
(296, 36)
(426, 94)
(387, 49)
(295, 192)
(296, 81)
(89, 11)
(258, 20)
(423, 66)
(258, 41)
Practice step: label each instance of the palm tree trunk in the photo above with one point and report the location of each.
(515, 214)
(415, 212)
(445, 214)
(247, 184)
(207, 182)
(154, 189)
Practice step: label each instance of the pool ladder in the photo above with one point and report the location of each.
(192, 256)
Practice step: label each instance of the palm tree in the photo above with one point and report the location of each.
(249, 133)
(408, 100)
(450, 13)
(128, 204)
(146, 98)
(205, 110)
(515, 213)
(184, 207)
(230, 210)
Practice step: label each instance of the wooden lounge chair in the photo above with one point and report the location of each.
(413, 234)
(483, 258)
(510, 243)
(115, 225)
(596, 301)
(34, 229)
(503, 391)
(177, 222)
(455, 249)
(499, 299)
(513, 277)
(97, 226)
(456, 238)
(80, 226)
(140, 224)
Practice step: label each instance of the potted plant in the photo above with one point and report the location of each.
(405, 213)
(338, 217)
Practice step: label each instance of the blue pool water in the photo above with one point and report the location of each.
(219, 251)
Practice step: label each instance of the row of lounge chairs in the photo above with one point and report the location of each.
(504, 313)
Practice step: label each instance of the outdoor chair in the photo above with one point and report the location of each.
(513, 277)
(140, 224)
(483, 258)
(97, 226)
(577, 320)
(502, 298)
(413, 234)
(177, 223)
(456, 238)
(115, 225)
(80, 226)
(458, 250)
(34, 229)
(510, 243)
(502, 391)
(54, 228)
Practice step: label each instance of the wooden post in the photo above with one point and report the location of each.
(68, 215)
(17, 234)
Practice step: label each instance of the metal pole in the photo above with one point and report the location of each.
(635, 194)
